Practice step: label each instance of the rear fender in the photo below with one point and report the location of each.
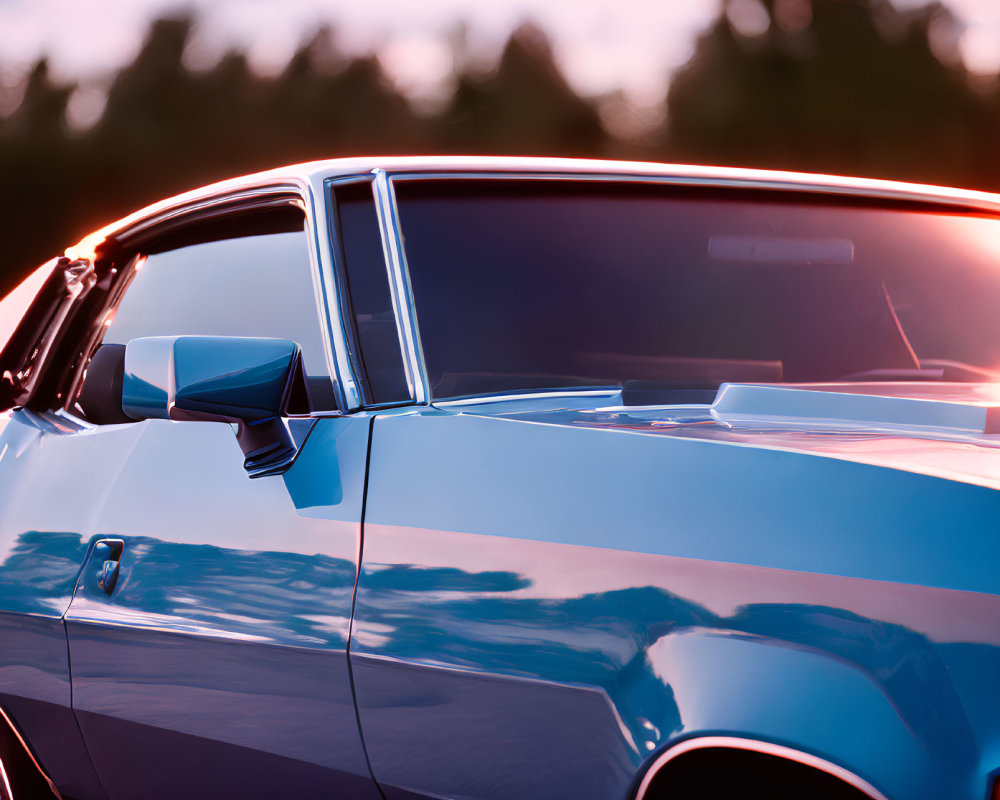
(812, 702)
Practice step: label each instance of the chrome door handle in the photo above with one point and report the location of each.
(107, 555)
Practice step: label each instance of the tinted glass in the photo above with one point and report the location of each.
(249, 276)
(368, 286)
(545, 284)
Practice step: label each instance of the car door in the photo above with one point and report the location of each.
(209, 626)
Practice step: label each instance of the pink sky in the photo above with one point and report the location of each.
(601, 44)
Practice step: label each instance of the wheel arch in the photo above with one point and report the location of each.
(812, 698)
(737, 743)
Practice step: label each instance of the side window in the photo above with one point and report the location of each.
(363, 264)
(246, 275)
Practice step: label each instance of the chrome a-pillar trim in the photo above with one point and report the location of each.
(754, 745)
(400, 289)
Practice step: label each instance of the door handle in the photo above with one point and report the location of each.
(107, 556)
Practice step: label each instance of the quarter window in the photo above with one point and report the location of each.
(371, 302)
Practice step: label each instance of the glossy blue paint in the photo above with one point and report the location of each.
(822, 409)
(190, 657)
(553, 589)
(548, 572)
(42, 548)
(228, 624)
(218, 376)
(647, 482)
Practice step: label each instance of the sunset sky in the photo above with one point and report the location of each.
(600, 44)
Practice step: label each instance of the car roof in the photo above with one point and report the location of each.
(304, 175)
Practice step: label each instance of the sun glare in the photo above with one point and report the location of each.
(13, 306)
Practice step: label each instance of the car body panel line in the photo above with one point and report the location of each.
(76, 722)
(354, 600)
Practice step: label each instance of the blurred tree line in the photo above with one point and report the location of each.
(844, 86)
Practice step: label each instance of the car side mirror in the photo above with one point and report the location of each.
(252, 382)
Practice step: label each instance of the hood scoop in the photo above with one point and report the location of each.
(855, 407)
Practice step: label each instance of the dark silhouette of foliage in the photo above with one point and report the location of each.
(524, 107)
(849, 86)
(39, 175)
(166, 128)
(853, 87)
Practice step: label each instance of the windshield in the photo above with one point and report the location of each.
(544, 284)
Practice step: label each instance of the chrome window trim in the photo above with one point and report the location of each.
(477, 166)
(347, 325)
(900, 193)
(401, 286)
(141, 222)
(341, 377)
(328, 293)
(307, 195)
(309, 180)
(484, 399)
(757, 746)
(401, 289)
(340, 270)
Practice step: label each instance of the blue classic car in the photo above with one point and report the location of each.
(496, 479)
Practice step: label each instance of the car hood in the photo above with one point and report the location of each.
(949, 430)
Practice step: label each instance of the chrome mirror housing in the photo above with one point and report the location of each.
(253, 382)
